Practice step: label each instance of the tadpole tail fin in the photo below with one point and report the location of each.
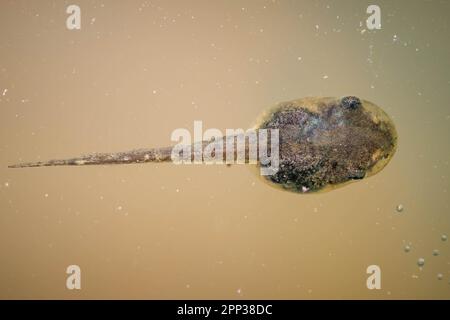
(143, 155)
(129, 157)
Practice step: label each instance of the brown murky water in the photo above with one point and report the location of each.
(138, 70)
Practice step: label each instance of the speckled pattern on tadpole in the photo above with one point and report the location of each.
(327, 142)
(324, 143)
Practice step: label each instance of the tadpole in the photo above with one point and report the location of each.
(324, 143)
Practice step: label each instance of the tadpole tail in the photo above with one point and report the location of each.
(139, 155)
(129, 157)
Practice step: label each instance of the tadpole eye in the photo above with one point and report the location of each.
(351, 102)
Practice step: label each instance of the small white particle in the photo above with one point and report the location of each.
(421, 262)
(325, 77)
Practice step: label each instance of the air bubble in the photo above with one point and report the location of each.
(435, 252)
(399, 208)
(421, 262)
(444, 237)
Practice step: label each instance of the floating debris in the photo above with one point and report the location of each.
(421, 262)
(407, 248)
(444, 237)
(440, 276)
